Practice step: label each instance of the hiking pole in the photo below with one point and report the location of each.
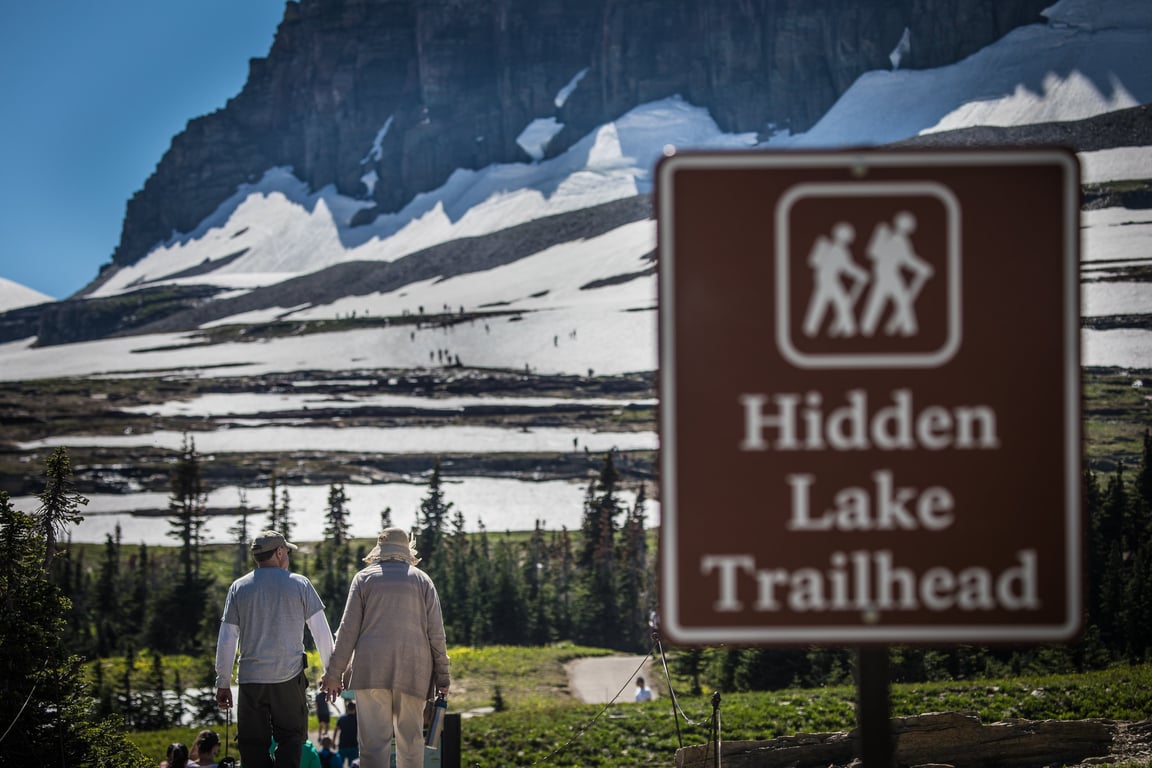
(227, 728)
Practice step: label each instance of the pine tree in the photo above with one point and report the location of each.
(598, 620)
(538, 591)
(563, 582)
(480, 596)
(153, 711)
(273, 504)
(1114, 555)
(285, 514)
(455, 591)
(49, 712)
(507, 612)
(241, 536)
(140, 583)
(59, 502)
(636, 599)
(109, 615)
(187, 502)
(182, 603)
(335, 554)
(431, 525)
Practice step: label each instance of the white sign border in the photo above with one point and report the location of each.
(859, 162)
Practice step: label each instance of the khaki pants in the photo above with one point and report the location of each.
(380, 713)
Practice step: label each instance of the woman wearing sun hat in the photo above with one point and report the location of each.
(390, 648)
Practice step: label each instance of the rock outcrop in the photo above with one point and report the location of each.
(385, 98)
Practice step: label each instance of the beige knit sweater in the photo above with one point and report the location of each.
(392, 632)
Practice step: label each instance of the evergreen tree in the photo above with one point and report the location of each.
(1114, 555)
(241, 536)
(141, 586)
(59, 502)
(187, 502)
(335, 554)
(49, 712)
(1142, 483)
(482, 632)
(337, 526)
(563, 581)
(109, 616)
(598, 620)
(538, 592)
(285, 514)
(507, 612)
(201, 701)
(153, 711)
(1096, 548)
(431, 526)
(74, 580)
(181, 603)
(636, 599)
(273, 503)
(459, 581)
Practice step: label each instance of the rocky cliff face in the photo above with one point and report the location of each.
(406, 91)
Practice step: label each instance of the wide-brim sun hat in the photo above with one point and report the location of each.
(393, 544)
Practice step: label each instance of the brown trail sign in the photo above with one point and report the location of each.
(870, 415)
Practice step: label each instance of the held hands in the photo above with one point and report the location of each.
(331, 686)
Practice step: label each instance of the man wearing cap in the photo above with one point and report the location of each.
(391, 645)
(264, 616)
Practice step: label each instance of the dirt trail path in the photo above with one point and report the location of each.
(598, 680)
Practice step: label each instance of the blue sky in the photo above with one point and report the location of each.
(91, 94)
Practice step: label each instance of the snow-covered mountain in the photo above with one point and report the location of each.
(14, 296)
(548, 265)
(1090, 58)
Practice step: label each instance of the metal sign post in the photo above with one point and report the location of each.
(873, 707)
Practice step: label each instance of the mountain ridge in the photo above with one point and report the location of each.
(384, 99)
(74, 320)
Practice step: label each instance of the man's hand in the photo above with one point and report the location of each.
(224, 698)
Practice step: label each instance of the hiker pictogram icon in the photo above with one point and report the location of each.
(848, 300)
(868, 275)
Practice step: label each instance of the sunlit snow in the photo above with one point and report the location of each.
(14, 296)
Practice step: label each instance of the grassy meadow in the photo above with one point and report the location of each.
(541, 724)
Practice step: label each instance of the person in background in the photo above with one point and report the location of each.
(177, 756)
(391, 646)
(346, 735)
(323, 713)
(309, 757)
(205, 751)
(328, 756)
(265, 613)
(643, 692)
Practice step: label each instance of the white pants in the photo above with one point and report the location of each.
(379, 714)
